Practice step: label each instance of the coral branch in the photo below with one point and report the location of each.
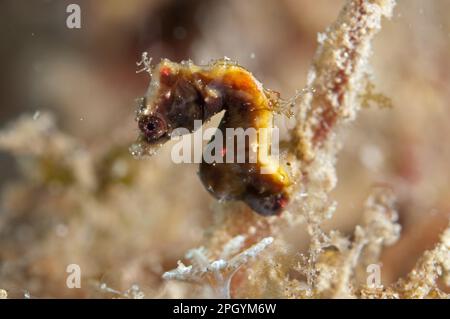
(338, 72)
(335, 269)
(336, 79)
(217, 272)
(421, 282)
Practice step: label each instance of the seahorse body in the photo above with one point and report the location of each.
(179, 94)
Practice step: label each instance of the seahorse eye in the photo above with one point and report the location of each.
(153, 127)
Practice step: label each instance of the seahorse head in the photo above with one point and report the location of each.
(172, 101)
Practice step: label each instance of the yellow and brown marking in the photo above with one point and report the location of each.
(179, 94)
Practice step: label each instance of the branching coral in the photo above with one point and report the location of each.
(337, 264)
(218, 272)
(422, 281)
(338, 74)
(133, 292)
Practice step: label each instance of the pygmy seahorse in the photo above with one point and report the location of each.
(180, 93)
